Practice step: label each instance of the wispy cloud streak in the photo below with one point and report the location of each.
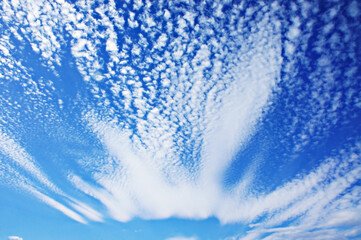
(17, 154)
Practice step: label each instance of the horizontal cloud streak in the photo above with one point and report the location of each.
(52, 203)
(321, 201)
(182, 238)
(14, 238)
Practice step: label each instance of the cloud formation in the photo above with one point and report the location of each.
(165, 97)
(182, 238)
(14, 238)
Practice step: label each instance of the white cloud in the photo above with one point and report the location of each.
(182, 238)
(111, 45)
(55, 204)
(146, 177)
(87, 211)
(14, 238)
(149, 194)
(150, 177)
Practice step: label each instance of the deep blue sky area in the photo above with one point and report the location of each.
(180, 120)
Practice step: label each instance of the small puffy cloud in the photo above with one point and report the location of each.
(182, 238)
(14, 238)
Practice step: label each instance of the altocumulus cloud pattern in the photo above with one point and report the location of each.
(248, 112)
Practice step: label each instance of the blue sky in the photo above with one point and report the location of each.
(180, 119)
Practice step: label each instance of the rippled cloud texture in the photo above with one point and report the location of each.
(246, 112)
